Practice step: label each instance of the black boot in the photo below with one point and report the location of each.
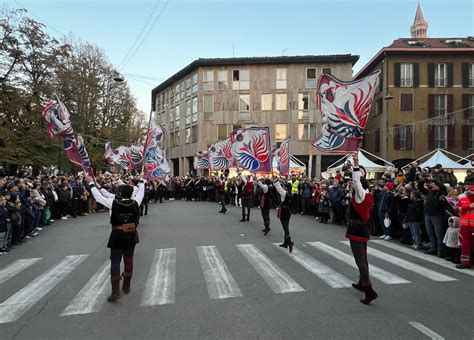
(127, 277)
(290, 244)
(370, 295)
(358, 286)
(285, 243)
(243, 219)
(115, 280)
(267, 229)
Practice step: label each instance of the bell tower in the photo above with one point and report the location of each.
(419, 29)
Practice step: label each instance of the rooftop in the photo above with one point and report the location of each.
(420, 46)
(281, 60)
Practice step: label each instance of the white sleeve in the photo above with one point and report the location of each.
(359, 191)
(244, 180)
(264, 187)
(107, 194)
(140, 193)
(105, 201)
(280, 190)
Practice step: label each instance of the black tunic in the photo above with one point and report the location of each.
(123, 211)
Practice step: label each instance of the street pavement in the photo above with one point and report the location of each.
(203, 275)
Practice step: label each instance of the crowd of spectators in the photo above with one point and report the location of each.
(414, 206)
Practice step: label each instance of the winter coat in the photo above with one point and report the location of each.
(415, 211)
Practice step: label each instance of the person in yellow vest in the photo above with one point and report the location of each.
(295, 183)
(465, 208)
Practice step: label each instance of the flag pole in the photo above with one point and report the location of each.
(146, 140)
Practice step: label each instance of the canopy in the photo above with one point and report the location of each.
(364, 161)
(294, 163)
(439, 157)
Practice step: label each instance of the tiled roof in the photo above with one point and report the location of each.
(204, 62)
(431, 43)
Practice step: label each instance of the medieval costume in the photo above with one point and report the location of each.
(265, 204)
(284, 213)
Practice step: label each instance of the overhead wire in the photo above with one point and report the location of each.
(39, 18)
(146, 35)
(139, 34)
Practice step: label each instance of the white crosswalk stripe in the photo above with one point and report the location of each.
(15, 268)
(92, 296)
(326, 274)
(376, 272)
(430, 274)
(274, 276)
(160, 286)
(19, 303)
(428, 258)
(220, 283)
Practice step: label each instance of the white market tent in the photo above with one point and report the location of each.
(370, 167)
(469, 159)
(294, 163)
(439, 156)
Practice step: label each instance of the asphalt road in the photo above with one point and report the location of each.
(203, 275)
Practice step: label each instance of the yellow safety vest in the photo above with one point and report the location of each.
(294, 187)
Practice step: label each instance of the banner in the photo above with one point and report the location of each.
(281, 156)
(220, 155)
(59, 124)
(345, 107)
(155, 163)
(108, 154)
(201, 160)
(128, 157)
(251, 149)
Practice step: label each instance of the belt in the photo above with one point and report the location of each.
(127, 227)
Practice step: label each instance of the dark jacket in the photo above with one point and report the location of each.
(336, 195)
(433, 204)
(415, 211)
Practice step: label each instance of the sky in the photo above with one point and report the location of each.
(176, 32)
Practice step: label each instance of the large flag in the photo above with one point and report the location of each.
(108, 154)
(345, 107)
(201, 160)
(281, 156)
(251, 149)
(129, 157)
(220, 155)
(155, 163)
(59, 124)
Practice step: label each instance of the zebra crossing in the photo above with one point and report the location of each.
(160, 287)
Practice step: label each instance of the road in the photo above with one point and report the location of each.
(203, 275)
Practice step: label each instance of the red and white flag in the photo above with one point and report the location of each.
(251, 149)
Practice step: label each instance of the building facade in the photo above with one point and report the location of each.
(421, 102)
(206, 100)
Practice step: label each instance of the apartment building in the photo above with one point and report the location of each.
(206, 100)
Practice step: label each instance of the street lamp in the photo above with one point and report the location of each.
(118, 78)
(388, 97)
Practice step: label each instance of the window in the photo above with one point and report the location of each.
(402, 133)
(208, 84)
(182, 90)
(267, 102)
(222, 131)
(188, 136)
(177, 113)
(470, 103)
(280, 132)
(241, 79)
(172, 139)
(194, 135)
(440, 105)
(222, 83)
(378, 106)
(440, 75)
(406, 102)
(471, 75)
(311, 78)
(471, 137)
(195, 81)
(306, 131)
(188, 87)
(188, 112)
(244, 107)
(281, 101)
(326, 70)
(303, 105)
(406, 75)
(440, 136)
(208, 107)
(195, 109)
(281, 78)
(177, 90)
(377, 140)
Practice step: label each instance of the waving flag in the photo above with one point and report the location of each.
(201, 160)
(220, 155)
(251, 149)
(345, 107)
(59, 124)
(155, 163)
(108, 154)
(282, 157)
